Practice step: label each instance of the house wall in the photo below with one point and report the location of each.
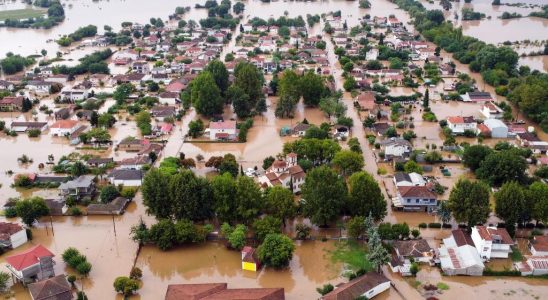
(213, 132)
(538, 253)
(125, 182)
(482, 246)
(18, 239)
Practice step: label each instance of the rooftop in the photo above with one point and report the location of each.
(28, 258)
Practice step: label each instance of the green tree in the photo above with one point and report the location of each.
(267, 225)
(312, 88)
(501, 167)
(109, 193)
(248, 198)
(356, 227)
(289, 92)
(426, 99)
(163, 234)
(205, 95)
(219, 73)
(474, 155)
(412, 166)
(365, 197)
(444, 212)
(237, 237)
(510, 204)
(240, 101)
(377, 255)
(537, 194)
(348, 162)
(280, 203)
(125, 285)
(224, 194)
(196, 128)
(155, 197)
(191, 196)
(229, 165)
(31, 209)
(250, 79)
(324, 194)
(469, 202)
(122, 92)
(4, 281)
(349, 83)
(332, 106)
(276, 250)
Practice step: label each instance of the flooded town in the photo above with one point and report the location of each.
(273, 149)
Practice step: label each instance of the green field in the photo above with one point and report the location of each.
(18, 14)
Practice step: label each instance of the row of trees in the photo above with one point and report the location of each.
(210, 90)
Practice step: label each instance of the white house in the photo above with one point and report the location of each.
(12, 235)
(223, 130)
(169, 98)
(63, 127)
(491, 242)
(416, 198)
(534, 265)
(458, 255)
(395, 147)
(491, 111)
(286, 173)
(38, 86)
(372, 54)
(369, 285)
(459, 125)
(6, 85)
(295, 39)
(74, 94)
(539, 245)
(498, 129)
(247, 27)
(125, 177)
(411, 179)
(29, 265)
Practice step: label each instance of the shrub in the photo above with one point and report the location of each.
(75, 211)
(422, 225)
(442, 286)
(434, 225)
(10, 212)
(136, 273)
(415, 233)
(71, 279)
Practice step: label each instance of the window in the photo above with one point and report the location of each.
(416, 200)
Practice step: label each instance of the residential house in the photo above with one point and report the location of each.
(300, 129)
(26, 126)
(6, 85)
(39, 86)
(54, 288)
(126, 177)
(12, 235)
(83, 186)
(161, 112)
(33, 264)
(131, 145)
(395, 147)
(458, 255)
(477, 97)
(115, 207)
(64, 127)
(58, 78)
(497, 128)
(539, 245)
(12, 103)
(367, 286)
(459, 125)
(491, 111)
(99, 162)
(223, 131)
(491, 242)
(205, 291)
(366, 101)
(141, 67)
(404, 252)
(72, 95)
(134, 163)
(534, 265)
(63, 113)
(286, 173)
(57, 207)
(411, 179)
(415, 198)
(169, 98)
(250, 261)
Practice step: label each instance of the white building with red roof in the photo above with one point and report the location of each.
(34, 263)
(223, 130)
(286, 173)
(64, 127)
(459, 124)
(491, 242)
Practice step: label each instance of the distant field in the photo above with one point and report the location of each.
(18, 14)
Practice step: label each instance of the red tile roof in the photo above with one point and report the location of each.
(28, 258)
(223, 125)
(540, 243)
(64, 124)
(357, 287)
(219, 291)
(416, 192)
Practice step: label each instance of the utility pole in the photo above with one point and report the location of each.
(51, 223)
(113, 223)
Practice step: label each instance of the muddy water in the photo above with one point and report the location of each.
(310, 267)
